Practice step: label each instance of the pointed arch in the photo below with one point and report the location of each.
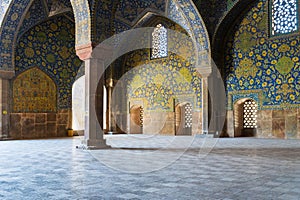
(34, 91)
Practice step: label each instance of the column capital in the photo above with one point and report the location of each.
(4, 74)
(205, 72)
(84, 52)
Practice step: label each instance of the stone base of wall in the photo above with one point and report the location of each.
(283, 124)
(159, 123)
(164, 123)
(39, 125)
(197, 123)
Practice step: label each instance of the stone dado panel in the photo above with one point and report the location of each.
(39, 125)
(283, 124)
(164, 123)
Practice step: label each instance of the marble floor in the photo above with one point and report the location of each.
(146, 167)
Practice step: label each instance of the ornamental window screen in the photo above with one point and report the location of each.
(159, 42)
(284, 16)
(250, 114)
(188, 117)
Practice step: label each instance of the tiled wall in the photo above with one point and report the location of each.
(49, 46)
(265, 69)
(161, 83)
(263, 66)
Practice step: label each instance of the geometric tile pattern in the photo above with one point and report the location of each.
(177, 16)
(81, 9)
(129, 10)
(214, 12)
(234, 169)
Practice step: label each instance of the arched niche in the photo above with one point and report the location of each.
(136, 119)
(183, 119)
(34, 91)
(245, 118)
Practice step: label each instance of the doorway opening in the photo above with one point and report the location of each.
(136, 119)
(183, 119)
(245, 118)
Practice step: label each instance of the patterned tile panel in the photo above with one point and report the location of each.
(117, 16)
(34, 91)
(213, 11)
(36, 14)
(8, 32)
(50, 47)
(129, 10)
(158, 81)
(256, 62)
(81, 9)
(198, 29)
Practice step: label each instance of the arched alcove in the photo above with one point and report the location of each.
(34, 91)
(136, 119)
(245, 118)
(183, 119)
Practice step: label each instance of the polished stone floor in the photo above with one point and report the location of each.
(151, 168)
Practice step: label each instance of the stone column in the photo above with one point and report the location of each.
(205, 116)
(5, 103)
(93, 133)
(1, 128)
(205, 71)
(5, 107)
(217, 104)
(110, 84)
(230, 123)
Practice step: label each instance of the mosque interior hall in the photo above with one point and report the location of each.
(133, 99)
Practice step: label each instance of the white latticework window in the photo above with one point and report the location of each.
(284, 16)
(159, 42)
(250, 114)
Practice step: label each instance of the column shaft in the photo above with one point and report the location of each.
(93, 133)
(205, 105)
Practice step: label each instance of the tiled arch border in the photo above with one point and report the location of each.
(217, 45)
(13, 20)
